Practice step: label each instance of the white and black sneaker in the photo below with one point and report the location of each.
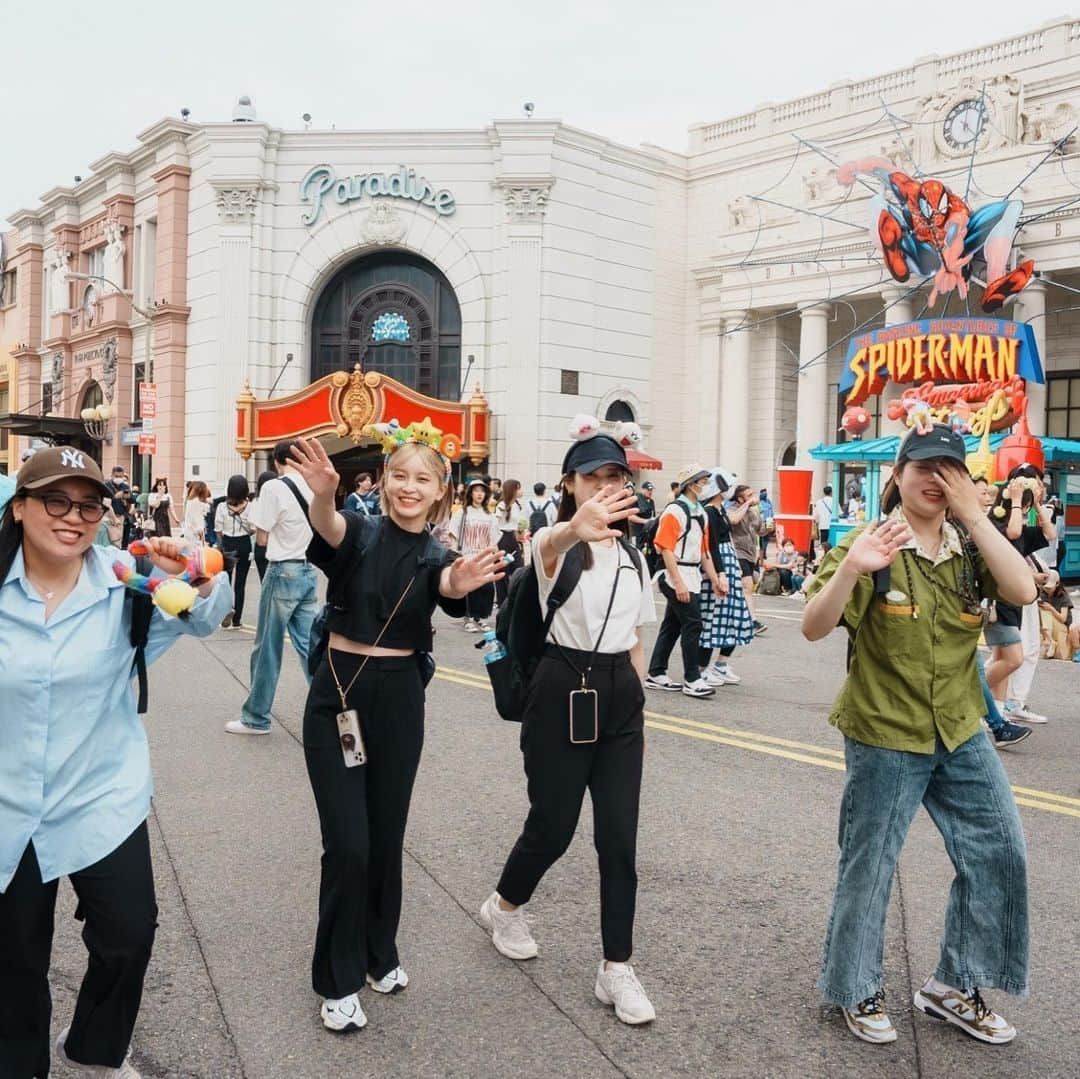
(661, 681)
(698, 688)
(343, 1015)
(392, 982)
(966, 1009)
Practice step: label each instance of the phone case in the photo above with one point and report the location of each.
(352, 741)
(584, 717)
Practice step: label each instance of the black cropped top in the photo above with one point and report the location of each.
(368, 573)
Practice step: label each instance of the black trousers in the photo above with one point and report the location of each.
(559, 773)
(119, 912)
(682, 622)
(238, 550)
(705, 654)
(478, 604)
(362, 813)
(259, 558)
(508, 542)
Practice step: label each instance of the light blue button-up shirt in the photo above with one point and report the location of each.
(74, 761)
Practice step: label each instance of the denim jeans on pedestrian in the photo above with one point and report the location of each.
(966, 793)
(288, 602)
(994, 719)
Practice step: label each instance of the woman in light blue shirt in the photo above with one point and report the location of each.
(75, 779)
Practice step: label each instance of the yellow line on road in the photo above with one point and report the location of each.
(771, 746)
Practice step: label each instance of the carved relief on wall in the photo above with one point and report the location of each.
(1046, 123)
(357, 403)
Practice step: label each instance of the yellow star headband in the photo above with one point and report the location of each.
(424, 433)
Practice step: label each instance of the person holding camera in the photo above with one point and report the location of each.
(364, 718)
(583, 724)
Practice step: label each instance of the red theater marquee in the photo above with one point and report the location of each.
(343, 404)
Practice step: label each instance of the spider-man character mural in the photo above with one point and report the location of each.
(923, 228)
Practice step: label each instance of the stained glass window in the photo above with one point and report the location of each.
(390, 326)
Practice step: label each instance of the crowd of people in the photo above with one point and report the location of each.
(952, 560)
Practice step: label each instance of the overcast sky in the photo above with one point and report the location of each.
(80, 79)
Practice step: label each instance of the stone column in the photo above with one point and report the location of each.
(814, 409)
(708, 393)
(525, 202)
(1033, 313)
(735, 397)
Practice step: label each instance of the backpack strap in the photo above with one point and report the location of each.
(142, 612)
(564, 584)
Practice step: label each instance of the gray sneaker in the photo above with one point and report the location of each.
(509, 929)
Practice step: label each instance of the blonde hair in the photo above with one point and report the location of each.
(440, 509)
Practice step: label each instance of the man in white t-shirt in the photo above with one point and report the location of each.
(541, 502)
(823, 514)
(288, 600)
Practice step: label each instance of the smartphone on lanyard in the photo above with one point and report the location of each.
(584, 717)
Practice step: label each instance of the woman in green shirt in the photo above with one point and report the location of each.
(908, 590)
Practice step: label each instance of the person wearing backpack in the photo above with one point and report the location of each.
(541, 510)
(682, 538)
(909, 590)
(583, 725)
(473, 529)
(364, 718)
(74, 763)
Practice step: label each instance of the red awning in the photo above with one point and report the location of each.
(635, 459)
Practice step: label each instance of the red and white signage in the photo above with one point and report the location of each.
(148, 399)
(147, 444)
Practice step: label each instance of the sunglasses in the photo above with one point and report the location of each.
(58, 505)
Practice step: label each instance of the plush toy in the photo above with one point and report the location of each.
(174, 595)
(919, 415)
(627, 434)
(960, 417)
(583, 427)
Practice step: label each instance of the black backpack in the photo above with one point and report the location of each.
(647, 539)
(523, 633)
(538, 517)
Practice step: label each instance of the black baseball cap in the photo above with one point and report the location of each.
(594, 453)
(940, 441)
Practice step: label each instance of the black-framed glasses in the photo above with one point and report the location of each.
(58, 505)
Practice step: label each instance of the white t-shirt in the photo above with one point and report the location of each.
(578, 621)
(823, 513)
(278, 514)
(195, 513)
(515, 516)
(547, 504)
(481, 530)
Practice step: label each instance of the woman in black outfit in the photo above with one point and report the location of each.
(234, 531)
(386, 574)
(571, 742)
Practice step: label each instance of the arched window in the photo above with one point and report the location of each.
(390, 312)
(92, 397)
(619, 411)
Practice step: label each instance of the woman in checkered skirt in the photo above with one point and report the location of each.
(726, 621)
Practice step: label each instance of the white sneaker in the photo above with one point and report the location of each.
(661, 681)
(343, 1015)
(125, 1071)
(965, 1009)
(393, 982)
(509, 929)
(617, 984)
(483, 625)
(471, 626)
(238, 726)
(1022, 714)
(700, 688)
(723, 670)
(711, 677)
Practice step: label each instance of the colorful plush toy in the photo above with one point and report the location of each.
(960, 417)
(174, 595)
(919, 415)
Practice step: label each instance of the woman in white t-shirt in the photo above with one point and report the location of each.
(583, 724)
(509, 515)
(473, 529)
(196, 508)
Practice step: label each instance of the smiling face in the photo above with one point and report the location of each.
(414, 484)
(921, 494)
(987, 493)
(57, 540)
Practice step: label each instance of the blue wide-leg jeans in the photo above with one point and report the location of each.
(967, 794)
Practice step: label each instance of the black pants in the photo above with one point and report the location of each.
(362, 813)
(259, 557)
(682, 622)
(558, 773)
(705, 655)
(238, 550)
(508, 542)
(478, 604)
(117, 905)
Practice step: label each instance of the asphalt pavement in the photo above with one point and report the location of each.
(737, 856)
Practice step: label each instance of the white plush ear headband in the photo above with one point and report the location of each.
(584, 427)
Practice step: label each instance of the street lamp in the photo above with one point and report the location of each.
(73, 275)
(96, 421)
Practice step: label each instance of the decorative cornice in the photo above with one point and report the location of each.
(236, 202)
(525, 197)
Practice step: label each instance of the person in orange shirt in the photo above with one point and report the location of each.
(682, 538)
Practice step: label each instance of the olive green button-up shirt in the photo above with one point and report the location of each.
(913, 677)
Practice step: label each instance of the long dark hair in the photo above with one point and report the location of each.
(11, 538)
(510, 491)
(567, 509)
(238, 489)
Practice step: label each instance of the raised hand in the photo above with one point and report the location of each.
(167, 554)
(594, 517)
(472, 572)
(960, 493)
(877, 545)
(312, 462)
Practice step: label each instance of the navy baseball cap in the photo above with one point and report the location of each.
(594, 453)
(941, 441)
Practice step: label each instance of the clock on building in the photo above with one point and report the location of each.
(965, 124)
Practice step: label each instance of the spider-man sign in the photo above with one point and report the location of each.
(923, 228)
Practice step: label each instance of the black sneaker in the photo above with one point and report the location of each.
(759, 628)
(1009, 734)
